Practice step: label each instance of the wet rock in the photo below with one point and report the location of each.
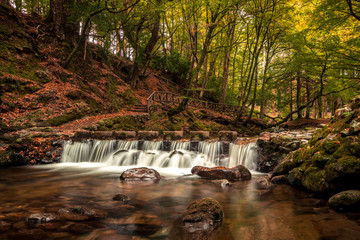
(285, 166)
(264, 183)
(121, 197)
(80, 228)
(346, 200)
(4, 226)
(42, 218)
(239, 172)
(203, 215)
(281, 179)
(222, 182)
(81, 213)
(143, 173)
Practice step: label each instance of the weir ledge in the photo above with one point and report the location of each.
(230, 136)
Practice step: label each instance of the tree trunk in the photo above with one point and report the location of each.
(291, 99)
(58, 17)
(298, 94)
(307, 115)
(227, 54)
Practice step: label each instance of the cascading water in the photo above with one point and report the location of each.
(177, 154)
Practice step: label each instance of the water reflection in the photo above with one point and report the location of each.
(154, 210)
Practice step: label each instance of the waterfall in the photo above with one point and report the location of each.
(244, 154)
(152, 153)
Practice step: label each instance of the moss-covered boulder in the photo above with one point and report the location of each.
(320, 159)
(346, 200)
(285, 166)
(203, 215)
(314, 180)
(295, 176)
(330, 146)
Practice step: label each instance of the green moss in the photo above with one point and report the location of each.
(314, 180)
(295, 176)
(348, 165)
(298, 157)
(330, 146)
(285, 166)
(320, 159)
(341, 152)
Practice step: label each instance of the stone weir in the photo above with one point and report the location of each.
(152, 135)
(164, 153)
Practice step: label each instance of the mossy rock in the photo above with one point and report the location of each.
(330, 146)
(298, 157)
(353, 145)
(320, 159)
(331, 174)
(295, 176)
(285, 166)
(346, 200)
(341, 152)
(348, 165)
(314, 180)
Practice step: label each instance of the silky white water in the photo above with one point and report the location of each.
(154, 154)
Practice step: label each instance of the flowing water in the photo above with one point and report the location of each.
(161, 154)
(155, 210)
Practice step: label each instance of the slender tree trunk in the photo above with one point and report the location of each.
(298, 94)
(227, 55)
(307, 115)
(291, 99)
(320, 105)
(254, 96)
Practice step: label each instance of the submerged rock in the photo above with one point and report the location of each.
(81, 213)
(222, 182)
(143, 173)
(203, 215)
(239, 172)
(42, 218)
(264, 183)
(346, 200)
(121, 197)
(281, 179)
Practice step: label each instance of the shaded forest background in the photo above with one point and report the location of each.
(275, 59)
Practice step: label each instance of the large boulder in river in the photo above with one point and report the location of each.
(239, 172)
(143, 173)
(203, 215)
(346, 200)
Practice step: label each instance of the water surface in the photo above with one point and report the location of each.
(155, 209)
